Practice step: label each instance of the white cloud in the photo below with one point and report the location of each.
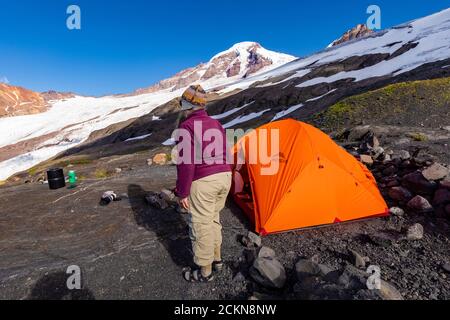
(4, 79)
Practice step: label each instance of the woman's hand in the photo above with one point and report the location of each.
(184, 203)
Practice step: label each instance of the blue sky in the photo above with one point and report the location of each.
(124, 45)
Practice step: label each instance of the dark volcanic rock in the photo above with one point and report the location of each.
(420, 204)
(400, 194)
(441, 196)
(268, 272)
(417, 183)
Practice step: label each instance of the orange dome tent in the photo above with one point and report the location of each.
(317, 182)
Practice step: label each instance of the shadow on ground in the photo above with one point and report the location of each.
(53, 286)
(169, 226)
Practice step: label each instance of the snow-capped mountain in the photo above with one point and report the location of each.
(390, 53)
(16, 101)
(260, 93)
(240, 61)
(30, 139)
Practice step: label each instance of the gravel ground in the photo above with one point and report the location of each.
(128, 250)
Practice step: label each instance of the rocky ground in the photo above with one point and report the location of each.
(131, 250)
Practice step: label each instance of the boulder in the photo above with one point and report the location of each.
(446, 267)
(167, 195)
(306, 268)
(358, 133)
(389, 292)
(418, 184)
(268, 272)
(420, 204)
(401, 154)
(353, 278)
(357, 259)
(378, 152)
(436, 172)
(156, 201)
(392, 183)
(441, 197)
(366, 159)
(266, 252)
(255, 239)
(389, 171)
(396, 211)
(400, 194)
(415, 232)
(160, 159)
(251, 241)
(445, 183)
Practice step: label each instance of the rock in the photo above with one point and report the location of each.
(357, 133)
(418, 184)
(366, 159)
(402, 155)
(396, 211)
(392, 183)
(255, 239)
(149, 162)
(167, 195)
(307, 268)
(160, 159)
(353, 278)
(156, 201)
(325, 270)
(389, 171)
(445, 183)
(378, 152)
(446, 267)
(436, 172)
(387, 158)
(357, 259)
(400, 194)
(268, 272)
(441, 197)
(415, 232)
(389, 292)
(251, 241)
(266, 252)
(420, 204)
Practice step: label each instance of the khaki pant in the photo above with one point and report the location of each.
(206, 200)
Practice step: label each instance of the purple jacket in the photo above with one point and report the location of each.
(192, 171)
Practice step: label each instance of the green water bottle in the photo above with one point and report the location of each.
(72, 179)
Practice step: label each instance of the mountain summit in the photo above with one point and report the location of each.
(241, 60)
(359, 31)
(17, 101)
